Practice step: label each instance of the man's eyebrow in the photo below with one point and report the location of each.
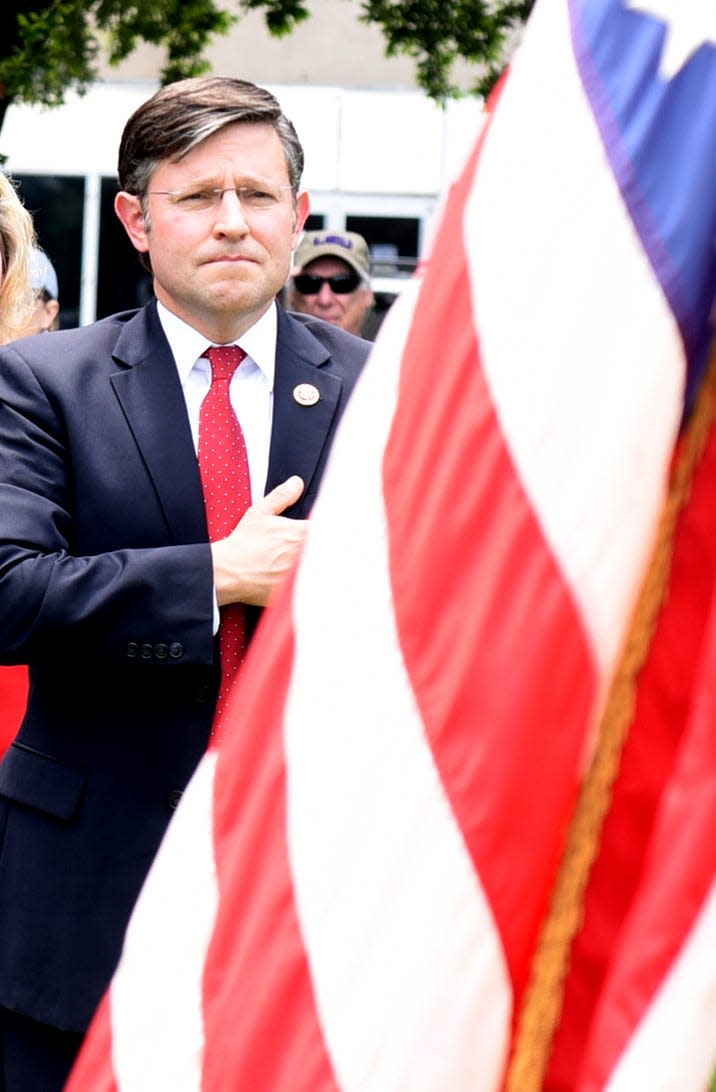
(216, 182)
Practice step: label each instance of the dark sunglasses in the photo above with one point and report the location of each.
(343, 283)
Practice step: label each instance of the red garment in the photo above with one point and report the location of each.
(13, 699)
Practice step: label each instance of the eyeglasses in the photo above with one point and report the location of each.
(205, 199)
(342, 284)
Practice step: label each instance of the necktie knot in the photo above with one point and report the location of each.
(224, 360)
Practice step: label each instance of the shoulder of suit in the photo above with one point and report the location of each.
(338, 342)
(60, 349)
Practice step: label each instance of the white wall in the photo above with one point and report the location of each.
(382, 142)
(369, 152)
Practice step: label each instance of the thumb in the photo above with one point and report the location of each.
(283, 496)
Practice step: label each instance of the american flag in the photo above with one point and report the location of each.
(352, 894)
(653, 1020)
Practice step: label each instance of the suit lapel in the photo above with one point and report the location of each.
(305, 402)
(152, 400)
(148, 389)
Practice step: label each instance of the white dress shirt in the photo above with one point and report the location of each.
(251, 388)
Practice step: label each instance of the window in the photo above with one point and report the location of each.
(57, 204)
(394, 242)
(314, 222)
(122, 281)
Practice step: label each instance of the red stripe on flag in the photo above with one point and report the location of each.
(257, 986)
(493, 644)
(666, 693)
(93, 1069)
(618, 968)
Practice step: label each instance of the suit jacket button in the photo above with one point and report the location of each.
(146, 652)
(176, 650)
(161, 651)
(132, 650)
(174, 797)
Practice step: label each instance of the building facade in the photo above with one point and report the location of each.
(379, 153)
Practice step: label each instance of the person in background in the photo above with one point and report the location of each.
(16, 301)
(330, 279)
(16, 242)
(46, 309)
(124, 563)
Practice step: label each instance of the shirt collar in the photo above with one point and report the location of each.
(187, 344)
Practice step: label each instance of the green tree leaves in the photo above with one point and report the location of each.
(51, 47)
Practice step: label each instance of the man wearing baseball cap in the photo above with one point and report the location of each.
(330, 278)
(46, 291)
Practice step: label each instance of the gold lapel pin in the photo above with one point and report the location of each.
(306, 394)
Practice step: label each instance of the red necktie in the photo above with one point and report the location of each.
(224, 470)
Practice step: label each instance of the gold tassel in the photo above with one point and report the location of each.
(542, 1004)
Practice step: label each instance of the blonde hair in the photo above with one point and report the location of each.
(17, 237)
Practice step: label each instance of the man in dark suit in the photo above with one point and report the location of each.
(110, 587)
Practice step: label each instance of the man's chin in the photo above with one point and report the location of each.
(231, 294)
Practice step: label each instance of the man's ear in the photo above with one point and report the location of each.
(303, 207)
(129, 211)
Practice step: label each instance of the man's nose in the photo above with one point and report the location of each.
(326, 295)
(230, 214)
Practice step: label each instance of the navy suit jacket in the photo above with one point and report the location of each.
(106, 591)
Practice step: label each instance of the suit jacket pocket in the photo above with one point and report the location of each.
(38, 781)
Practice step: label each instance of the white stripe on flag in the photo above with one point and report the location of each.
(156, 993)
(556, 287)
(385, 950)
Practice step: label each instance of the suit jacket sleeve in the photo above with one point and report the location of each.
(88, 565)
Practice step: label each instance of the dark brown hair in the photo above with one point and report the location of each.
(181, 115)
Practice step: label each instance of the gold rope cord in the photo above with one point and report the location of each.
(542, 1004)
